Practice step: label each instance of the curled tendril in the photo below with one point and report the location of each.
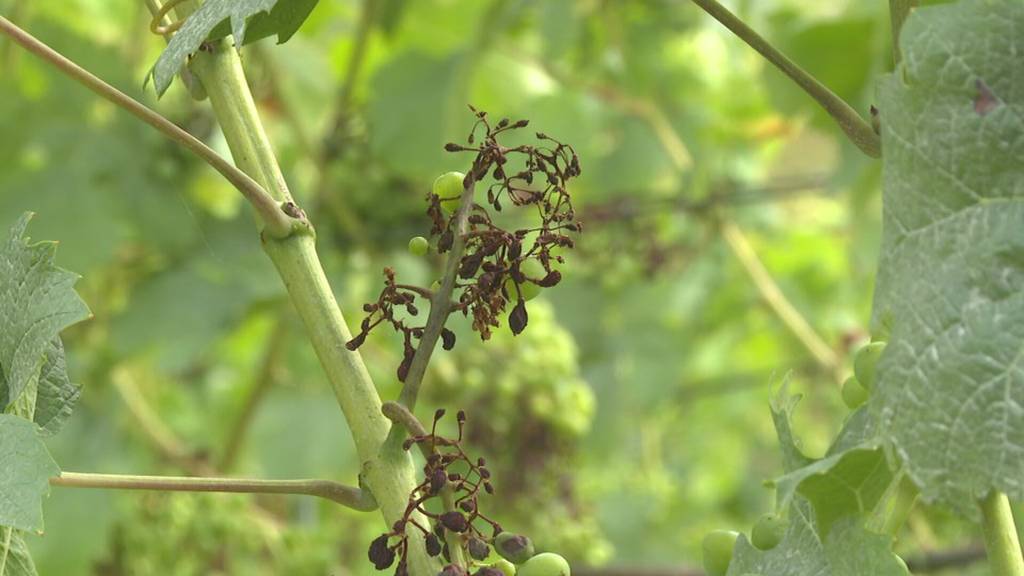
(156, 25)
(490, 275)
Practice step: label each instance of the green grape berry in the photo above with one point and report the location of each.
(419, 246)
(515, 548)
(717, 548)
(768, 531)
(448, 187)
(531, 269)
(864, 363)
(507, 568)
(545, 564)
(853, 393)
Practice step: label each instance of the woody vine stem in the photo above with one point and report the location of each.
(289, 241)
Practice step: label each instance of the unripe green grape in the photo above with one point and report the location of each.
(717, 548)
(448, 187)
(507, 568)
(419, 246)
(854, 394)
(768, 531)
(545, 564)
(531, 269)
(865, 362)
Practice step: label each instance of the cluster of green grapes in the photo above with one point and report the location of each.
(200, 535)
(537, 410)
(521, 380)
(770, 528)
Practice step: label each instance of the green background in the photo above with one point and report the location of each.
(630, 418)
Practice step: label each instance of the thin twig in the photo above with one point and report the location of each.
(265, 378)
(349, 496)
(762, 280)
(440, 304)
(172, 449)
(851, 123)
(946, 559)
(331, 142)
(776, 300)
(277, 223)
(725, 194)
(165, 441)
(399, 414)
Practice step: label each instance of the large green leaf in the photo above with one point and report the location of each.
(848, 550)
(845, 484)
(851, 479)
(246, 20)
(25, 471)
(37, 301)
(951, 384)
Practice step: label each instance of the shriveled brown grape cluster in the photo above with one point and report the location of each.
(456, 480)
(490, 272)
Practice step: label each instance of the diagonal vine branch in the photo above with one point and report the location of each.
(277, 223)
(856, 128)
(440, 303)
(776, 300)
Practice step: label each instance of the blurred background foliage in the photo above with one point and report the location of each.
(731, 240)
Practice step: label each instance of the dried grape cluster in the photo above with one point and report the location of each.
(455, 480)
(495, 267)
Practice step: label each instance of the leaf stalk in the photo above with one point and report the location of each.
(1001, 541)
(349, 496)
(856, 128)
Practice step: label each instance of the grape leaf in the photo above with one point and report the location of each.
(950, 390)
(246, 20)
(14, 557)
(844, 484)
(782, 406)
(851, 479)
(848, 550)
(37, 301)
(55, 394)
(25, 470)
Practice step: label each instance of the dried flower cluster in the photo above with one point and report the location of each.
(449, 474)
(490, 273)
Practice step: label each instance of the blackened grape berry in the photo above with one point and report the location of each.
(515, 548)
